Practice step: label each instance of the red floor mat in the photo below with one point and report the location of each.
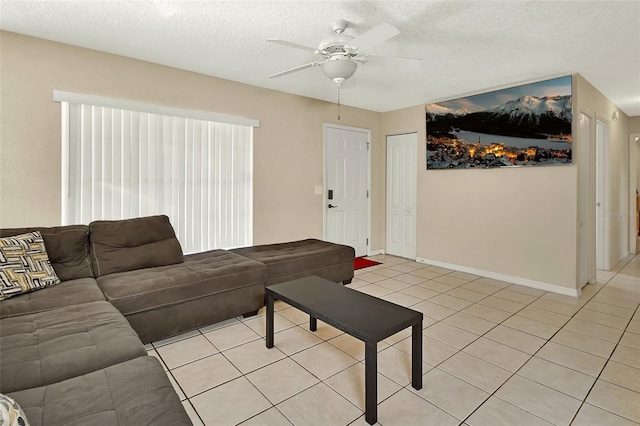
(360, 262)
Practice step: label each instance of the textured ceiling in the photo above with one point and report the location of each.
(467, 46)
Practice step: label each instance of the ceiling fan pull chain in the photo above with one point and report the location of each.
(338, 101)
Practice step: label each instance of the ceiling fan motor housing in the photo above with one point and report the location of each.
(334, 44)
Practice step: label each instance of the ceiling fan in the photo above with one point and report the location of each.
(342, 53)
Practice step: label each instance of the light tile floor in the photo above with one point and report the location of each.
(494, 354)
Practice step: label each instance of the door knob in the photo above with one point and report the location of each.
(331, 206)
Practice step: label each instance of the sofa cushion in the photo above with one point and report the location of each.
(135, 392)
(67, 247)
(24, 265)
(201, 274)
(67, 293)
(297, 259)
(126, 245)
(47, 347)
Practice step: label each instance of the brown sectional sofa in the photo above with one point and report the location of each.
(299, 259)
(206, 288)
(47, 347)
(136, 392)
(73, 353)
(83, 364)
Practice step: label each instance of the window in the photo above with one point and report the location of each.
(139, 160)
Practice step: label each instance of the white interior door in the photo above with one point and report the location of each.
(402, 151)
(347, 187)
(583, 154)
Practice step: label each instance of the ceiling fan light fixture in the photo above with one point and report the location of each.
(339, 68)
(342, 53)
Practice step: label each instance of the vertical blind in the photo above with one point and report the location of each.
(120, 164)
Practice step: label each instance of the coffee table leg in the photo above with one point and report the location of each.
(269, 335)
(416, 355)
(313, 323)
(371, 382)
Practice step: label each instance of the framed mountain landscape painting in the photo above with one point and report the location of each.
(527, 125)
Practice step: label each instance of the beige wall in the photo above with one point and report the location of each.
(514, 222)
(594, 104)
(518, 223)
(288, 145)
(634, 128)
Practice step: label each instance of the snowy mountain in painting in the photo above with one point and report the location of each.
(435, 110)
(527, 116)
(532, 108)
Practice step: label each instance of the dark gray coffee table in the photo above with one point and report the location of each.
(360, 315)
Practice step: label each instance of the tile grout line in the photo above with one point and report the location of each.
(512, 374)
(584, 401)
(442, 320)
(530, 355)
(497, 324)
(302, 366)
(242, 374)
(478, 337)
(547, 340)
(519, 368)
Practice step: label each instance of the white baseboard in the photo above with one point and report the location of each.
(375, 252)
(507, 278)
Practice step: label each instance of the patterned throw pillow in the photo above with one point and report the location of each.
(24, 265)
(10, 412)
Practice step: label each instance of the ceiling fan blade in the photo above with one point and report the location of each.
(291, 44)
(394, 61)
(376, 35)
(292, 70)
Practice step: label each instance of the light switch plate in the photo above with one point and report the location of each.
(317, 189)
